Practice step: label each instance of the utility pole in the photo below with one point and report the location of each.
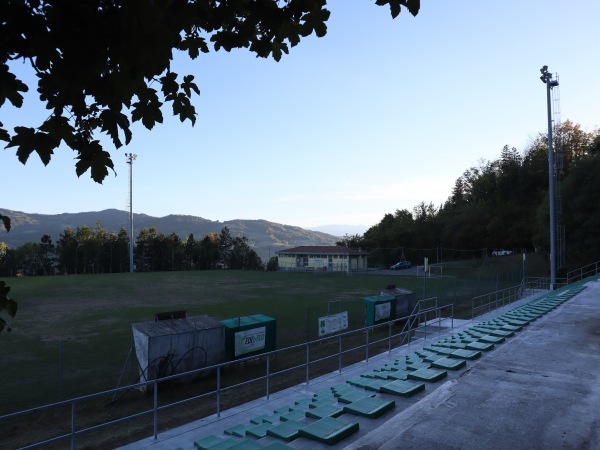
(130, 159)
(550, 83)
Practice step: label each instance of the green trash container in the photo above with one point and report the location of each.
(379, 309)
(249, 336)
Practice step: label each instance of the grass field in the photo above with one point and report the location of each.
(87, 319)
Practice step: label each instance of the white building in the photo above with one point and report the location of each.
(322, 258)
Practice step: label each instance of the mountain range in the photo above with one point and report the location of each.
(265, 237)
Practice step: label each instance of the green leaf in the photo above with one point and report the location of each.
(10, 86)
(27, 140)
(147, 109)
(111, 122)
(11, 307)
(4, 290)
(6, 222)
(413, 6)
(193, 44)
(169, 83)
(92, 157)
(188, 85)
(23, 140)
(184, 109)
(60, 128)
(4, 136)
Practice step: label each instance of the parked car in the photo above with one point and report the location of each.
(501, 252)
(401, 265)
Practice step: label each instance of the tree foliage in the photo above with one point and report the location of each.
(503, 204)
(103, 64)
(97, 250)
(6, 304)
(353, 241)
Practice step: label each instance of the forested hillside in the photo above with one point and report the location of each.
(503, 204)
(98, 242)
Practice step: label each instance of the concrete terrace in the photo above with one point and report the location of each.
(537, 386)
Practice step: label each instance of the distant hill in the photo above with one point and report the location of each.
(341, 230)
(265, 237)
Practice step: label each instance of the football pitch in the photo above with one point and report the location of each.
(72, 334)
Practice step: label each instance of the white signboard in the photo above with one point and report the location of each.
(383, 311)
(250, 340)
(333, 323)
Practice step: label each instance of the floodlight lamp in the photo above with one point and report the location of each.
(544, 70)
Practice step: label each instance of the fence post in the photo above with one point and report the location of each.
(73, 425)
(155, 409)
(390, 338)
(219, 391)
(268, 373)
(307, 363)
(367, 346)
(60, 371)
(340, 353)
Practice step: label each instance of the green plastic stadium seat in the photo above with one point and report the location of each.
(293, 415)
(277, 446)
(369, 407)
(246, 444)
(402, 388)
(259, 431)
(215, 442)
(449, 364)
(430, 375)
(329, 430)
(324, 411)
(286, 431)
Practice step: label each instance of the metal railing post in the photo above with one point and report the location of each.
(219, 391)
(73, 425)
(268, 374)
(390, 337)
(307, 363)
(340, 353)
(155, 409)
(367, 346)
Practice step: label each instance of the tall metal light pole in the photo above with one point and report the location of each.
(550, 83)
(130, 159)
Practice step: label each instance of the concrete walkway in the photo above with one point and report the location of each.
(538, 390)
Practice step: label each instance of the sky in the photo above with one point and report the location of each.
(378, 115)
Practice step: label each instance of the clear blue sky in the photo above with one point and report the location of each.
(379, 115)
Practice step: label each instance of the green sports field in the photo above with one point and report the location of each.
(87, 319)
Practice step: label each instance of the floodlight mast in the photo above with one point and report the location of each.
(550, 83)
(131, 157)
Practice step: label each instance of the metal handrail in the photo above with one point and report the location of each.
(486, 303)
(511, 294)
(218, 390)
(415, 317)
(583, 272)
